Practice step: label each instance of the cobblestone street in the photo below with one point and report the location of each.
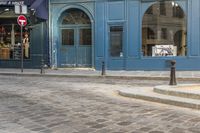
(89, 105)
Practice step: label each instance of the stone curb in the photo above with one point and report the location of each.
(47, 75)
(100, 76)
(176, 92)
(161, 100)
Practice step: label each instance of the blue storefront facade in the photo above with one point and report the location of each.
(35, 48)
(125, 34)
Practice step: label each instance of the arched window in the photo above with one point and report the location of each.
(168, 21)
(75, 16)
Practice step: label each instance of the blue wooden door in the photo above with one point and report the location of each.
(75, 49)
(76, 39)
(83, 47)
(116, 52)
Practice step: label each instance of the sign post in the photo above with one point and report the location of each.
(22, 21)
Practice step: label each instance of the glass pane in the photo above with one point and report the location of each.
(116, 36)
(85, 37)
(5, 41)
(75, 16)
(164, 31)
(67, 37)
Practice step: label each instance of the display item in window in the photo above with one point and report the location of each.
(26, 45)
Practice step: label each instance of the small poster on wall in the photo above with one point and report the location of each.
(164, 50)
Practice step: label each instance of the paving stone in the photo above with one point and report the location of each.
(156, 132)
(76, 105)
(99, 126)
(87, 130)
(101, 120)
(194, 129)
(38, 129)
(178, 130)
(145, 129)
(125, 123)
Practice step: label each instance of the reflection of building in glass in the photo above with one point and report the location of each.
(164, 23)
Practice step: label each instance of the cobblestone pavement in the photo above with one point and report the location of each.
(75, 105)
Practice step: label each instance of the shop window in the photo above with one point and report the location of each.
(167, 41)
(10, 41)
(116, 40)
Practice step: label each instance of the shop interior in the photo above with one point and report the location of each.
(10, 35)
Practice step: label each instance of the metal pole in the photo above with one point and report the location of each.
(22, 51)
(173, 73)
(42, 57)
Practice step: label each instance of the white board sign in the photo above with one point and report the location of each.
(164, 50)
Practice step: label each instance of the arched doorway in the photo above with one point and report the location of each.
(75, 49)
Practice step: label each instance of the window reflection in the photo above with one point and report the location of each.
(164, 30)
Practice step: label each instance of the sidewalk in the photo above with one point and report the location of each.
(85, 72)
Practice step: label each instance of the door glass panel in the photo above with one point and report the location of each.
(67, 37)
(116, 37)
(85, 37)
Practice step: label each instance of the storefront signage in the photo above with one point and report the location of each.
(22, 21)
(7, 2)
(21, 9)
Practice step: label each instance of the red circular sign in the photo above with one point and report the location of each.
(21, 20)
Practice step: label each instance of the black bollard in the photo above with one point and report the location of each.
(42, 71)
(173, 73)
(103, 72)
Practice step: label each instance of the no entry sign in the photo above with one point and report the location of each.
(21, 20)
